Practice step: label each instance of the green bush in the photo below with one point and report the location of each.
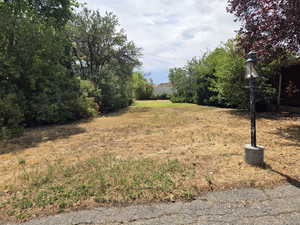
(178, 99)
(229, 84)
(163, 96)
(35, 67)
(142, 88)
(116, 92)
(104, 56)
(41, 58)
(11, 117)
(89, 95)
(144, 92)
(218, 79)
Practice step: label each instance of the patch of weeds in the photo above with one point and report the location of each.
(22, 215)
(40, 178)
(11, 212)
(42, 199)
(22, 164)
(104, 180)
(21, 161)
(68, 172)
(22, 203)
(63, 204)
(2, 205)
(209, 181)
(189, 195)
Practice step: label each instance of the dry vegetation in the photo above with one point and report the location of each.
(153, 151)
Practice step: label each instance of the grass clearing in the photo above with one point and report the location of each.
(153, 151)
(158, 104)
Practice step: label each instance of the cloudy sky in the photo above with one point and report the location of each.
(170, 32)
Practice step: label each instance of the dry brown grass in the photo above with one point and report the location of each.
(209, 139)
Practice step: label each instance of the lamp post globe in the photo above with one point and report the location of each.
(250, 65)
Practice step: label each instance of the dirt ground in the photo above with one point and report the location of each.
(207, 138)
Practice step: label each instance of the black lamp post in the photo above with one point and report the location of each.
(254, 155)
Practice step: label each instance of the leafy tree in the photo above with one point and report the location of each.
(54, 12)
(272, 28)
(38, 85)
(217, 79)
(142, 88)
(202, 77)
(181, 82)
(229, 84)
(103, 55)
(193, 82)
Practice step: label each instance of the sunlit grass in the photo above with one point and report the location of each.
(159, 104)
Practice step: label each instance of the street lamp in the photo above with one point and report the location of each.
(254, 155)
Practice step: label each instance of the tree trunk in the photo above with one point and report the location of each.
(279, 91)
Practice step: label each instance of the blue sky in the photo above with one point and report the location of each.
(170, 32)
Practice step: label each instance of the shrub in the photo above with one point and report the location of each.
(11, 117)
(142, 88)
(218, 79)
(178, 99)
(163, 96)
(36, 69)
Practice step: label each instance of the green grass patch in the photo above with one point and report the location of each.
(105, 180)
(159, 104)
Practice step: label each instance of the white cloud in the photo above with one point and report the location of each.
(171, 32)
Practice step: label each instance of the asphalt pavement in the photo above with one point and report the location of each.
(280, 205)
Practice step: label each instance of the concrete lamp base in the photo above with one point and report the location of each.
(254, 155)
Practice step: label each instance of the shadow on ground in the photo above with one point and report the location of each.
(288, 178)
(34, 136)
(266, 115)
(291, 133)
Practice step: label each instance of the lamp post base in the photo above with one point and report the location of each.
(254, 155)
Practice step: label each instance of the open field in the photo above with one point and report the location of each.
(152, 151)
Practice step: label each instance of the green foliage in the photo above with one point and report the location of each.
(218, 79)
(103, 55)
(53, 12)
(142, 88)
(163, 96)
(182, 82)
(54, 70)
(193, 82)
(116, 92)
(230, 85)
(37, 82)
(47, 90)
(11, 116)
